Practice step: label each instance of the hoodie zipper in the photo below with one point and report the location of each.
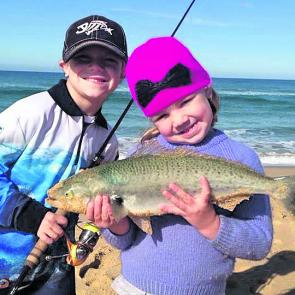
(84, 127)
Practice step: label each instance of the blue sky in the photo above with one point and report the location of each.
(231, 38)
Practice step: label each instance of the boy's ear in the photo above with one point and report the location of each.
(123, 70)
(64, 67)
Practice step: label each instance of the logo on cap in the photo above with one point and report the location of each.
(94, 25)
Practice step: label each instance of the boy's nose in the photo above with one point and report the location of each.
(96, 68)
(97, 65)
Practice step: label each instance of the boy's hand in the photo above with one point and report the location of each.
(197, 210)
(51, 227)
(100, 212)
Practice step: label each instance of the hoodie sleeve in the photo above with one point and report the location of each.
(248, 232)
(121, 242)
(17, 210)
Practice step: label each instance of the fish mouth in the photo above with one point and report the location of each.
(54, 202)
(49, 198)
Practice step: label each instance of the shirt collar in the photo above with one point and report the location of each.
(63, 99)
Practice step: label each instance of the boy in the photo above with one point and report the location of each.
(49, 136)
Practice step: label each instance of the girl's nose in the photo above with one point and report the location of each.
(179, 120)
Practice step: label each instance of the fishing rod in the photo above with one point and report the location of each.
(32, 260)
(98, 156)
(78, 252)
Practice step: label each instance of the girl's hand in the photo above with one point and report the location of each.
(100, 212)
(51, 227)
(197, 210)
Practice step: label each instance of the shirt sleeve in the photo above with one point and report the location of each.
(14, 205)
(248, 232)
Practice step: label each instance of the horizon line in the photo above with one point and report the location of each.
(246, 78)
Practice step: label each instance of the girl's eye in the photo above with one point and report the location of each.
(161, 117)
(185, 101)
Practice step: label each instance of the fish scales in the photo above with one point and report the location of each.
(135, 184)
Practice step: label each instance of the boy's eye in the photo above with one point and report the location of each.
(82, 59)
(111, 60)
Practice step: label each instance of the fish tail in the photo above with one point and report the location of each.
(287, 189)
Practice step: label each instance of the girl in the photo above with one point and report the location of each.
(193, 247)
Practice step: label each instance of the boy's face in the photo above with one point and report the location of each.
(188, 121)
(93, 73)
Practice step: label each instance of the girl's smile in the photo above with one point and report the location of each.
(188, 132)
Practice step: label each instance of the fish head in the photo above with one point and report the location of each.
(69, 196)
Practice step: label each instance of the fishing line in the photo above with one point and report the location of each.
(98, 156)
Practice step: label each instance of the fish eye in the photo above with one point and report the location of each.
(69, 194)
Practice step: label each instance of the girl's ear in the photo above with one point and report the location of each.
(208, 92)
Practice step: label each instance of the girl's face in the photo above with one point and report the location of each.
(93, 73)
(187, 121)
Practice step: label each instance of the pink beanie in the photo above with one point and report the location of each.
(161, 72)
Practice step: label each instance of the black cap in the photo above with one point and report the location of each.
(94, 30)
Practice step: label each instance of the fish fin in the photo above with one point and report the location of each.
(144, 223)
(152, 147)
(149, 147)
(118, 208)
(230, 201)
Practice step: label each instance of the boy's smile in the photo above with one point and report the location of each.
(93, 73)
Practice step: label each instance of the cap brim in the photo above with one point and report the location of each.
(71, 52)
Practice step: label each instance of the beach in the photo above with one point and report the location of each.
(256, 112)
(270, 276)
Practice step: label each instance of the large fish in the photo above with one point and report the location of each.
(134, 184)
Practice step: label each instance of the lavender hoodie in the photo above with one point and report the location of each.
(176, 259)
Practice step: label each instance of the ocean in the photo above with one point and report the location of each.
(257, 112)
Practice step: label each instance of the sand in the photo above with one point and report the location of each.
(270, 276)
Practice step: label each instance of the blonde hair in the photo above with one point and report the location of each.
(214, 101)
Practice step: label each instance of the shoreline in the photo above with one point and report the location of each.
(277, 170)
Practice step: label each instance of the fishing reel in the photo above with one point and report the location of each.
(79, 251)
